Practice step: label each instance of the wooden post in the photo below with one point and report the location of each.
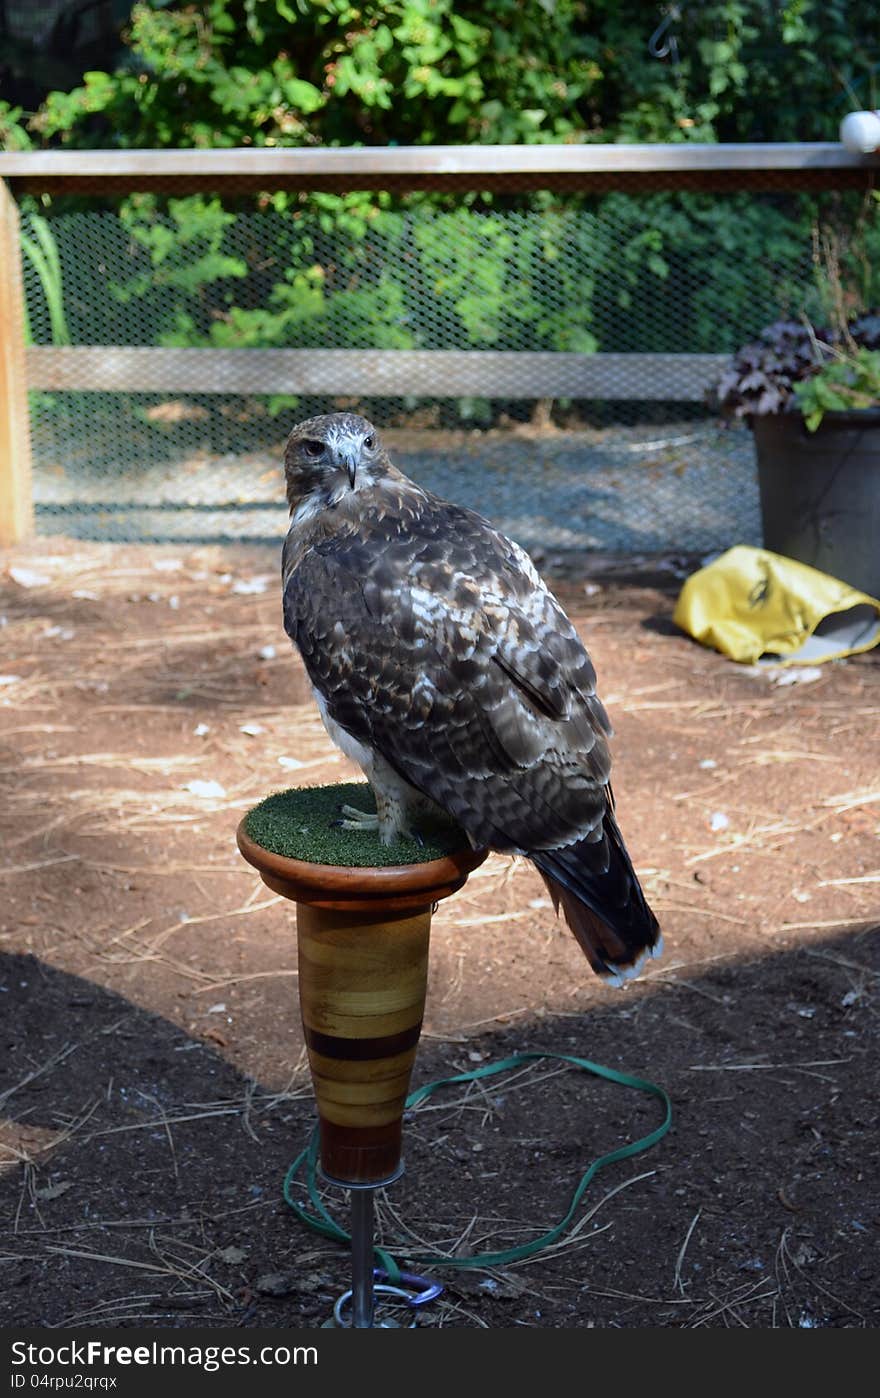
(16, 499)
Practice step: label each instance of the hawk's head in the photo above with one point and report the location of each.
(328, 456)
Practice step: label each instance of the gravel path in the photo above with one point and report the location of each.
(634, 490)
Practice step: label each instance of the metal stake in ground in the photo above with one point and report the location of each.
(362, 1258)
(363, 933)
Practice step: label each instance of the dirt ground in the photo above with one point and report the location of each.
(154, 1089)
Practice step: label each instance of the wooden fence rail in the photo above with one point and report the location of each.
(440, 373)
(818, 165)
(375, 373)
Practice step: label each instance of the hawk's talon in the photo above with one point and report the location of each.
(368, 822)
(352, 818)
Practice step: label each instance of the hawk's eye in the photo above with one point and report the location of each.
(369, 442)
(313, 448)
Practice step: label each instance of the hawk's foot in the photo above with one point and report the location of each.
(355, 819)
(352, 818)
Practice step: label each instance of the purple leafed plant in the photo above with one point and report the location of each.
(761, 377)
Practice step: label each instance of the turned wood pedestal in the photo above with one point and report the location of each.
(363, 967)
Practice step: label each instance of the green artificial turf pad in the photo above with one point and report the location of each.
(299, 823)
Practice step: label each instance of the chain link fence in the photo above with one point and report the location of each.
(494, 302)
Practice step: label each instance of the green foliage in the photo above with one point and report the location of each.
(848, 382)
(184, 249)
(41, 250)
(13, 129)
(495, 273)
(344, 269)
(706, 247)
(242, 72)
(625, 274)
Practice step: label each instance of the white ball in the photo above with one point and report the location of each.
(860, 132)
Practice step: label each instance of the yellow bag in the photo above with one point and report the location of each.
(750, 602)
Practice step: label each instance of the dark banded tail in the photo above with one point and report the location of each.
(595, 885)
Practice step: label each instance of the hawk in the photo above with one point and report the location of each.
(446, 669)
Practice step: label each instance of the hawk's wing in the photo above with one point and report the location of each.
(440, 647)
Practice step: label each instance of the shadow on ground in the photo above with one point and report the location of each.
(145, 1174)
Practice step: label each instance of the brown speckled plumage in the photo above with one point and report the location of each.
(443, 664)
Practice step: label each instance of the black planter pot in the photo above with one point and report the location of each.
(820, 492)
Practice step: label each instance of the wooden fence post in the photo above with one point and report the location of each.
(16, 499)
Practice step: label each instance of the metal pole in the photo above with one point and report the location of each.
(362, 1258)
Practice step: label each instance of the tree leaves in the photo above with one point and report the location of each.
(418, 71)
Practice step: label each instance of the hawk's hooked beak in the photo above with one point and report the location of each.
(347, 452)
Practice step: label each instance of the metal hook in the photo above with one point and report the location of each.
(425, 1290)
(382, 1324)
(416, 1292)
(669, 49)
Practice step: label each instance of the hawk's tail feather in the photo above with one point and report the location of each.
(602, 900)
